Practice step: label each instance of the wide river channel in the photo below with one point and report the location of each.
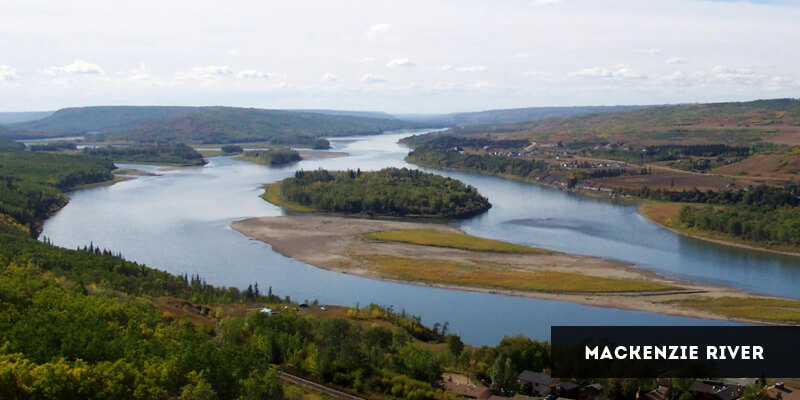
(178, 222)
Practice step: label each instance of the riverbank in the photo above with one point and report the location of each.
(338, 244)
(665, 215)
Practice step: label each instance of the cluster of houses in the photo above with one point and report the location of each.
(536, 386)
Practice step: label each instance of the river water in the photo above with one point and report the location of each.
(178, 221)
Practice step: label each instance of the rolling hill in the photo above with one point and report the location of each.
(513, 115)
(231, 125)
(14, 117)
(770, 120)
(96, 119)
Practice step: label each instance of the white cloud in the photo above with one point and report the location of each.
(329, 77)
(650, 52)
(206, 72)
(446, 67)
(78, 67)
(139, 74)
(533, 74)
(621, 72)
(232, 52)
(546, 2)
(254, 74)
(400, 62)
(740, 75)
(365, 60)
(7, 73)
(369, 78)
(676, 60)
(378, 32)
(474, 68)
(521, 55)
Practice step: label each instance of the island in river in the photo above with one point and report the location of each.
(443, 256)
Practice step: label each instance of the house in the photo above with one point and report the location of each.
(658, 394)
(268, 311)
(568, 390)
(715, 390)
(540, 384)
(779, 391)
(593, 391)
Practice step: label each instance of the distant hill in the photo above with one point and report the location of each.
(740, 121)
(232, 125)
(364, 114)
(96, 119)
(14, 117)
(513, 115)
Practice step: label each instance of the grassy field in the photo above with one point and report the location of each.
(272, 194)
(773, 310)
(447, 272)
(429, 237)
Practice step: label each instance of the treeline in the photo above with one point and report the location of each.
(53, 146)
(32, 183)
(779, 226)
(443, 142)
(769, 197)
(389, 192)
(301, 141)
(486, 164)
(674, 151)
(272, 157)
(178, 153)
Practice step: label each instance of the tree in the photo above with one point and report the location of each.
(455, 345)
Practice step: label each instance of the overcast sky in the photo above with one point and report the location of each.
(401, 56)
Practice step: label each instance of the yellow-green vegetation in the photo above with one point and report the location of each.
(773, 310)
(430, 237)
(448, 272)
(272, 194)
(132, 172)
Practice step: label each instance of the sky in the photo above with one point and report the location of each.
(431, 56)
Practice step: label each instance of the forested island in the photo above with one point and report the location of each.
(388, 192)
(172, 154)
(272, 157)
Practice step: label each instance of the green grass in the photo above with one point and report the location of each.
(272, 194)
(429, 237)
(772, 310)
(448, 272)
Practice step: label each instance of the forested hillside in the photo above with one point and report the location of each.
(100, 119)
(513, 115)
(173, 154)
(232, 125)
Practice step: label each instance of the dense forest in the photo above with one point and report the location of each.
(174, 154)
(32, 183)
(389, 192)
(485, 164)
(272, 157)
(763, 214)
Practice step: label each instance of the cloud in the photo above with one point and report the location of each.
(232, 52)
(650, 52)
(532, 74)
(446, 67)
(78, 67)
(474, 68)
(365, 60)
(206, 72)
(369, 78)
(521, 55)
(7, 73)
(400, 62)
(378, 32)
(740, 75)
(139, 74)
(329, 77)
(676, 60)
(254, 74)
(621, 72)
(546, 2)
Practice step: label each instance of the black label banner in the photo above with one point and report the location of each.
(675, 351)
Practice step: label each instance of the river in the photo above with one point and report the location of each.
(178, 222)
